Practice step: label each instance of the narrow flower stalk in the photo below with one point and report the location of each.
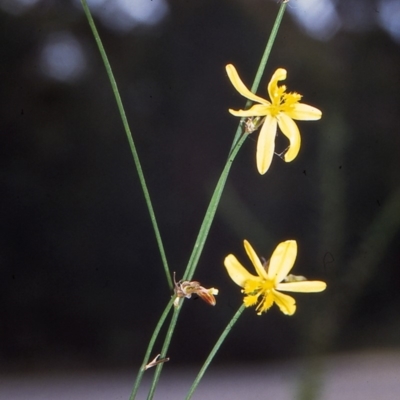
(149, 350)
(192, 264)
(211, 210)
(205, 227)
(214, 351)
(167, 342)
(210, 213)
(129, 136)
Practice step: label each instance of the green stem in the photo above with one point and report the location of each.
(150, 349)
(263, 62)
(268, 48)
(210, 213)
(205, 227)
(214, 351)
(164, 350)
(130, 140)
(204, 230)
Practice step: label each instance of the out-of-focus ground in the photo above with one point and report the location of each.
(367, 376)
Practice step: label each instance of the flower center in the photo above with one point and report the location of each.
(267, 285)
(257, 288)
(260, 294)
(283, 102)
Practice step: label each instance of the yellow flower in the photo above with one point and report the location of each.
(264, 290)
(280, 111)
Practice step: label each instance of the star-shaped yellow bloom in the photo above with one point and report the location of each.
(280, 111)
(264, 290)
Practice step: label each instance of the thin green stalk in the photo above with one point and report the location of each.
(214, 351)
(204, 230)
(130, 140)
(263, 62)
(189, 272)
(164, 350)
(205, 227)
(150, 349)
(210, 213)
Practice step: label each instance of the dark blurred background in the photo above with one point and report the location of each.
(82, 283)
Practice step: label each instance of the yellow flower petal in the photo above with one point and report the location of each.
(291, 131)
(255, 260)
(282, 260)
(250, 300)
(304, 112)
(252, 286)
(266, 144)
(240, 86)
(237, 272)
(302, 286)
(279, 75)
(257, 110)
(287, 304)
